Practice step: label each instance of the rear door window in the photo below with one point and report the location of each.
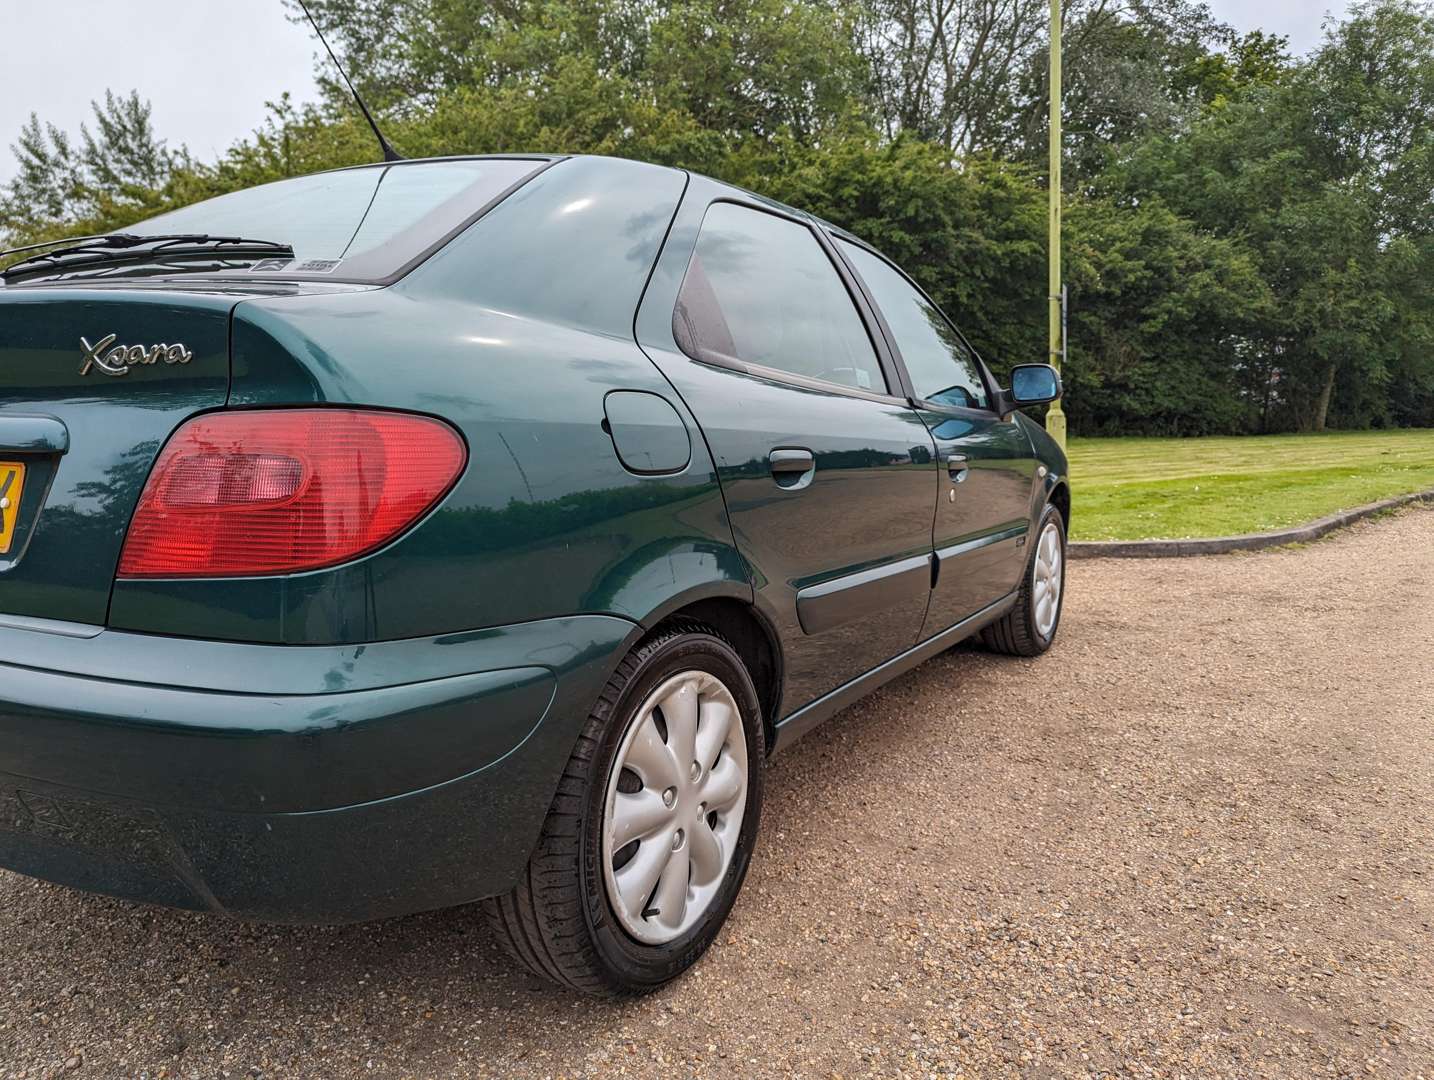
(760, 290)
(942, 368)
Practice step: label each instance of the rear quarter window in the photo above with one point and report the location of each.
(573, 246)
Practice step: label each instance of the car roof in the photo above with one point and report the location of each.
(735, 189)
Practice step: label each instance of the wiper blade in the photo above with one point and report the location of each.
(127, 249)
(115, 240)
(107, 241)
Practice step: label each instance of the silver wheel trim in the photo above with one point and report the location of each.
(1047, 576)
(666, 885)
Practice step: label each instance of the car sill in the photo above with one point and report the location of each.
(810, 716)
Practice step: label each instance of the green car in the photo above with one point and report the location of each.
(477, 528)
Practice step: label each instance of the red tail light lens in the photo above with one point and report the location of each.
(241, 494)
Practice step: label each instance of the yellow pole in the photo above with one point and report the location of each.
(1055, 416)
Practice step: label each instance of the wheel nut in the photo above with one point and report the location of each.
(696, 770)
(669, 797)
(677, 839)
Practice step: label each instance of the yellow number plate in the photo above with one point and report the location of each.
(12, 479)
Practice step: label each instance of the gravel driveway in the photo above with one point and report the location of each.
(1194, 840)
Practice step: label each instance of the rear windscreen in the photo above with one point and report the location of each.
(362, 224)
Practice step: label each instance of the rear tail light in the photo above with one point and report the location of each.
(238, 494)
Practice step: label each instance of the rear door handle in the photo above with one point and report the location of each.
(958, 467)
(792, 468)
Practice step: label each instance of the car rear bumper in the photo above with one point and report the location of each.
(285, 783)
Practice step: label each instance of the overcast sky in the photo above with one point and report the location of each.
(208, 66)
(1300, 20)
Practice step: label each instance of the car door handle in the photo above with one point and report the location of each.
(791, 461)
(957, 465)
(792, 468)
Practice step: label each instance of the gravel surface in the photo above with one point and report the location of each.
(1193, 840)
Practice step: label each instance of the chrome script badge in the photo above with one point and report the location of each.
(113, 359)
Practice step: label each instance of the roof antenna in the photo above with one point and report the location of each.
(389, 153)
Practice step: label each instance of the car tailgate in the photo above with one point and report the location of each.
(81, 423)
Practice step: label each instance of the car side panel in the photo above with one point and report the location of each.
(840, 568)
(546, 521)
(1050, 458)
(983, 514)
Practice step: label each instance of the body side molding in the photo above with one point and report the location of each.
(851, 597)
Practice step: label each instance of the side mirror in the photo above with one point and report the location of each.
(1034, 384)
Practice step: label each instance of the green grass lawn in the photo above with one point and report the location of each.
(1135, 489)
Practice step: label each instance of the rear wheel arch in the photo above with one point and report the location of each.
(751, 636)
(559, 919)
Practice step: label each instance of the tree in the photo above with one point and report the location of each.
(1324, 176)
(1159, 312)
(972, 74)
(1371, 108)
(1250, 238)
(114, 172)
(755, 67)
(942, 70)
(739, 67)
(1255, 60)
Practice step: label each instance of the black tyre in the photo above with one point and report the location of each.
(1030, 627)
(651, 832)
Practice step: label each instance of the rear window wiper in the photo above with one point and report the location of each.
(130, 249)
